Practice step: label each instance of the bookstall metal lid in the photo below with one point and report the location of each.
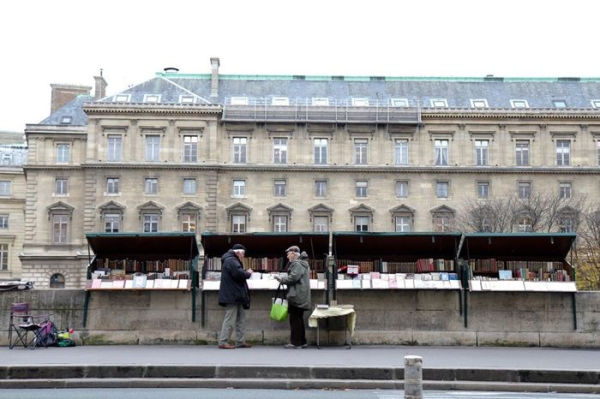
(144, 245)
(399, 247)
(517, 246)
(269, 245)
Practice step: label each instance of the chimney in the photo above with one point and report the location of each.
(99, 86)
(62, 94)
(214, 80)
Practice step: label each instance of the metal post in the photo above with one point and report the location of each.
(86, 304)
(413, 377)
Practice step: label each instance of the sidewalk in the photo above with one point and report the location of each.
(531, 369)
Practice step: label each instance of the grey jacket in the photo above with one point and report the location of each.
(297, 280)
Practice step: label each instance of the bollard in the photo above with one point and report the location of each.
(413, 377)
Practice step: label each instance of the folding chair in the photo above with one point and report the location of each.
(23, 328)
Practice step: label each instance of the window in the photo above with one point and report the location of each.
(60, 224)
(320, 146)
(190, 148)
(239, 149)
(280, 101)
(239, 100)
(401, 152)
(186, 99)
(402, 189)
(360, 151)
(63, 153)
(320, 101)
(563, 152)
(483, 190)
(66, 120)
(519, 104)
(122, 98)
(3, 256)
(280, 188)
(566, 224)
(361, 188)
(564, 190)
(112, 222)
(238, 223)
(62, 186)
(360, 102)
(522, 152)
(279, 150)
(524, 190)
(596, 103)
(361, 223)
(189, 186)
(403, 223)
(151, 186)
(239, 188)
(280, 223)
(320, 188)
(441, 189)
(321, 223)
(559, 103)
(524, 224)
(113, 148)
(441, 152)
(3, 221)
(150, 223)
(442, 222)
(481, 152)
(4, 187)
(188, 222)
(439, 103)
(479, 103)
(153, 148)
(151, 98)
(57, 280)
(112, 185)
(399, 102)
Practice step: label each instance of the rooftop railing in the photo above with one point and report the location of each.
(283, 109)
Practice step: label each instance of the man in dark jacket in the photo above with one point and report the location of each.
(234, 296)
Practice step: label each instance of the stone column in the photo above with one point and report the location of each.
(413, 377)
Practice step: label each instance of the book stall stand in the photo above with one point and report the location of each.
(525, 262)
(265, 255)
(142, 262)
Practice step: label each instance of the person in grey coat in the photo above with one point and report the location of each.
(298, 295)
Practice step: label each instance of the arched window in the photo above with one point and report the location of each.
(57, 281)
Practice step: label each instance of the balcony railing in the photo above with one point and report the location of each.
(250, 109)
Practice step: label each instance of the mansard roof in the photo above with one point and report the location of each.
(72, 109)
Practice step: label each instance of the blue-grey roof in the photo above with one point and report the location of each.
(71, 109)
(458, 92)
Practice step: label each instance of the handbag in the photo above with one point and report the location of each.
(279, 307)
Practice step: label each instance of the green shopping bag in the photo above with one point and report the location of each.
(279, 307)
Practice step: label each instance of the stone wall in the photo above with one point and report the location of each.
(383, 317)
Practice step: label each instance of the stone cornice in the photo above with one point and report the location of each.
(54, 129)
(158, 109)
(509, 113)
(339, 168)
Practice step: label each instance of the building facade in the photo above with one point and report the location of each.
(221, 153)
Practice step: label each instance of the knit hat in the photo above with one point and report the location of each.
(293, 248)
(238, 246)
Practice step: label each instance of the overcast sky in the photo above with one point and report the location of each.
(63, 41)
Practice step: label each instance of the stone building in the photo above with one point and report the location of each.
(236, 153)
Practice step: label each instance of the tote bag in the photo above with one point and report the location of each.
(279, 307)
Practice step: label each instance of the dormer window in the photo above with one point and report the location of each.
(187, 99)
(320, 101)
(122, 98)
(596, 103)
(399, 102)
(239, 100)
(519, 104)
(559, 103)
(479, 103)
(280, 101)
(66, 120)
(439, 103)
(360, 102)
(151, 98)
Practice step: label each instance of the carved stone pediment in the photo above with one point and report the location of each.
(151, 206)
(111, 206)
(443, 209)
(402, 209)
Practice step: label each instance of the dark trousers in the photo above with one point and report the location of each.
(296, 316)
